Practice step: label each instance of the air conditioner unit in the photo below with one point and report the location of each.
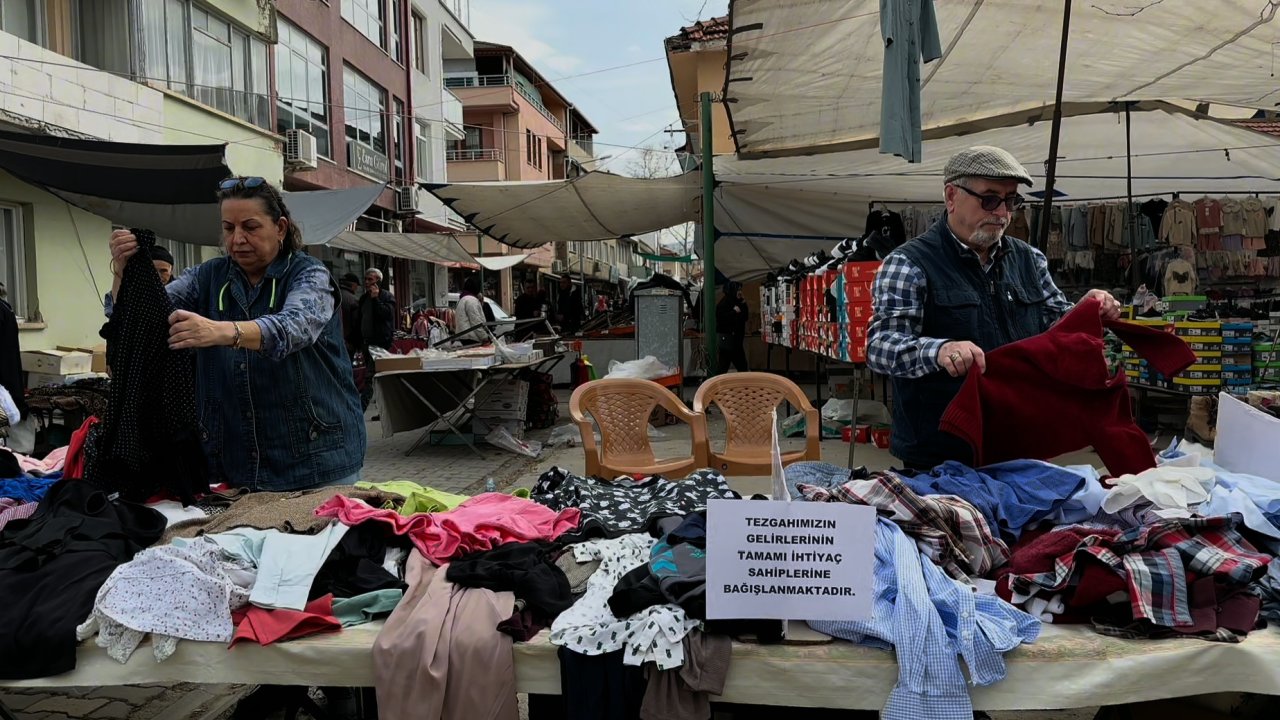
(299, 149)
(406, 199)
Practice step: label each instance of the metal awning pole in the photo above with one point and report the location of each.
(708, 239)
(1051, 167)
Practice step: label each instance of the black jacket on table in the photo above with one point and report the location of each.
(150, 437)
(52, 566)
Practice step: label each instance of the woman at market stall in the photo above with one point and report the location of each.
(470, 311)
(276, 401)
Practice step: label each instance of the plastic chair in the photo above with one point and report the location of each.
(621, 408)
(745, 399)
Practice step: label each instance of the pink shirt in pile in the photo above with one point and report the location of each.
(481, 523)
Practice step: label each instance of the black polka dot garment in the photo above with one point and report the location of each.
(150, 439)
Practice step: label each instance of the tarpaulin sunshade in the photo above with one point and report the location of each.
(805, 76)
(595, 206)
(169, 189)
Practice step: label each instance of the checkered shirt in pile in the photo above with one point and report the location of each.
(1155, 561)
(948, 529)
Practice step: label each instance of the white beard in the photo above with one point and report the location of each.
(984, 238)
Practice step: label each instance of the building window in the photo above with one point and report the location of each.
(302, 81)
(396, 41)
(367, 16)
(24, 19)
(201, 55)
(420, 43)
(475, 138)
(401, 147)
(422, 162)
(185, 255)
(13, 267)
(366, 108)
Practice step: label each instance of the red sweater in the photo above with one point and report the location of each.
(1050, 394)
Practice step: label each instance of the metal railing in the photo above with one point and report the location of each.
(472, 81)
(468, 81)
(472, 155)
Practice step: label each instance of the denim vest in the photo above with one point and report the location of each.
(274, 424)
(992, 308)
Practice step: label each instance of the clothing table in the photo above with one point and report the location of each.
(1070, 666)
(443, 399)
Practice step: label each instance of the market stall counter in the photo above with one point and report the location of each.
(1069, 666)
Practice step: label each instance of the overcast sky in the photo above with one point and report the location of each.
(566, 38)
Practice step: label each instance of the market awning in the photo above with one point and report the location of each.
(782, 204)
(806, 76)
(323, 214)
(595, 206)
(169, 189)
(500, 262)
(489, 262)
(166, 188)
(431, 247)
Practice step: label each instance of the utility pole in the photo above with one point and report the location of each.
(708, 239)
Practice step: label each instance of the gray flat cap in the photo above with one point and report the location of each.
(985, 161)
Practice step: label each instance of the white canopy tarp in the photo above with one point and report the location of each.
(1174, 150)
(805, 75)
(431, 247)
(323, 214)
(595, 206)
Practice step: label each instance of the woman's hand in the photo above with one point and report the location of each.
(123, 246)
(188, 330)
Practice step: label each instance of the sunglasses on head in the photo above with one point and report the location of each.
(244, 182)
(990, 202)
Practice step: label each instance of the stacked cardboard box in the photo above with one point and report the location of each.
(505, 407)
(63, 365)
(856, 308)
(1204, 337)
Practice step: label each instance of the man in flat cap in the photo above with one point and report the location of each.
(956, 292)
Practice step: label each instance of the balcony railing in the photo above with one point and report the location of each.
(467, 81)
(471, 81)
(473, 155)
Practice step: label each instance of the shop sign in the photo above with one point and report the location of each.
(783, 560)
(366, 160)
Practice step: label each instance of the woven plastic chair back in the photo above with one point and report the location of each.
(745, 400)
(621, 409)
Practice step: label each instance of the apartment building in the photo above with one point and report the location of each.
(696, 57)
(360, 99)
(158, 72)
(520, 128)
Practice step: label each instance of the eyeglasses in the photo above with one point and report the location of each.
(990, 202)
(232, 183)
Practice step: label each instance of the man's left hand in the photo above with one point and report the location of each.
(1110, 308)
(188, 330)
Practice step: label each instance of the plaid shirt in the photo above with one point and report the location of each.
(895, 342)
(948, 530)
(1155, 561)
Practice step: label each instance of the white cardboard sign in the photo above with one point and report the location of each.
(789, 560)
(1248, 439)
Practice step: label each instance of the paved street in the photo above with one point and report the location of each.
(454, 468)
